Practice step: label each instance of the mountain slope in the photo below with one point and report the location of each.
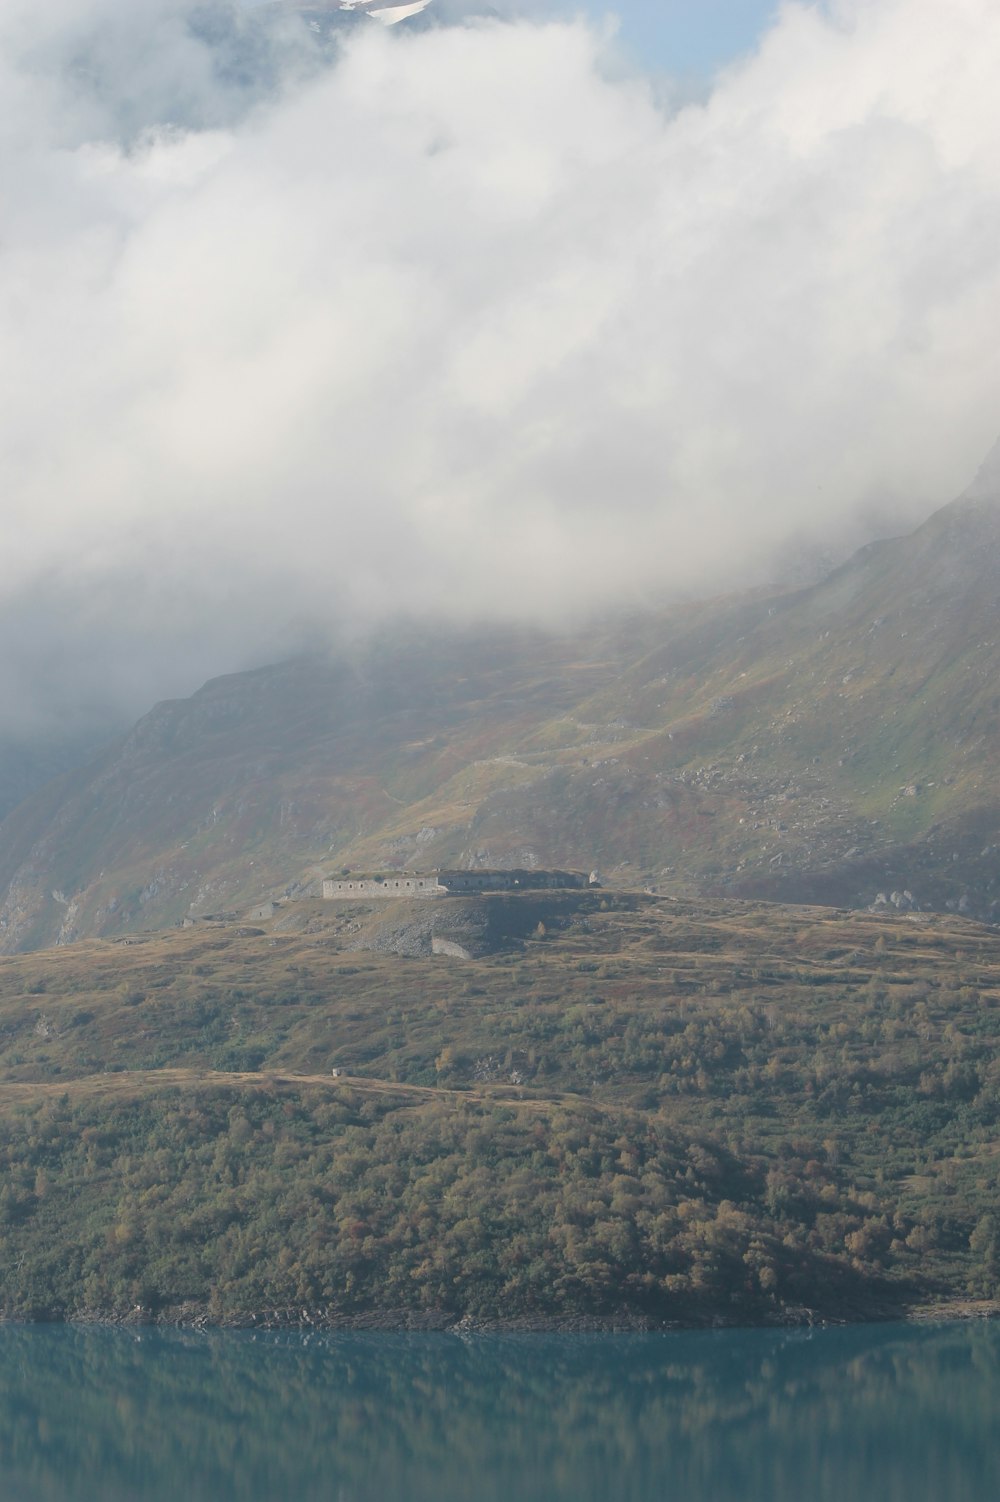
(710, 1112)
(823, 745)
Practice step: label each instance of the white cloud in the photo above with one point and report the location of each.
(465, 322)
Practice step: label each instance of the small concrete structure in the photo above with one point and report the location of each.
(448, 883)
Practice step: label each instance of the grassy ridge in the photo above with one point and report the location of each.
(729, 1111)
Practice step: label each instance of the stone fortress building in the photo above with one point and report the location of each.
(450, 883)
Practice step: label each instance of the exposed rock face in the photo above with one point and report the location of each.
(449, 949)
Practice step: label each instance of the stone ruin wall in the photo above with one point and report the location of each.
(362, 887)
(448, 883)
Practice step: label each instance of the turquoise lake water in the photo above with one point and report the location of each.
(874, 1414)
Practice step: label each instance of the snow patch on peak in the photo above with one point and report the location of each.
(390, 14)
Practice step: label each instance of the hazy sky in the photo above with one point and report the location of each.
(476, 320)
(680, 36)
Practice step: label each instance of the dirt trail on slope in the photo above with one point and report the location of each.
(131, 1084)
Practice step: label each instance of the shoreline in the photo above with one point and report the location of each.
(424, 1322)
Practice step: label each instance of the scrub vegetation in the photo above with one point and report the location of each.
(659, 1111)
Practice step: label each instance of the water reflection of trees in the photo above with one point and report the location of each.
(738, 1415)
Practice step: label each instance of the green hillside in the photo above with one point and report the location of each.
(648, 1110)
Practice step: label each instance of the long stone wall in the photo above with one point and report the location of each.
(509, 881)
(443, 883)
(363, 888)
